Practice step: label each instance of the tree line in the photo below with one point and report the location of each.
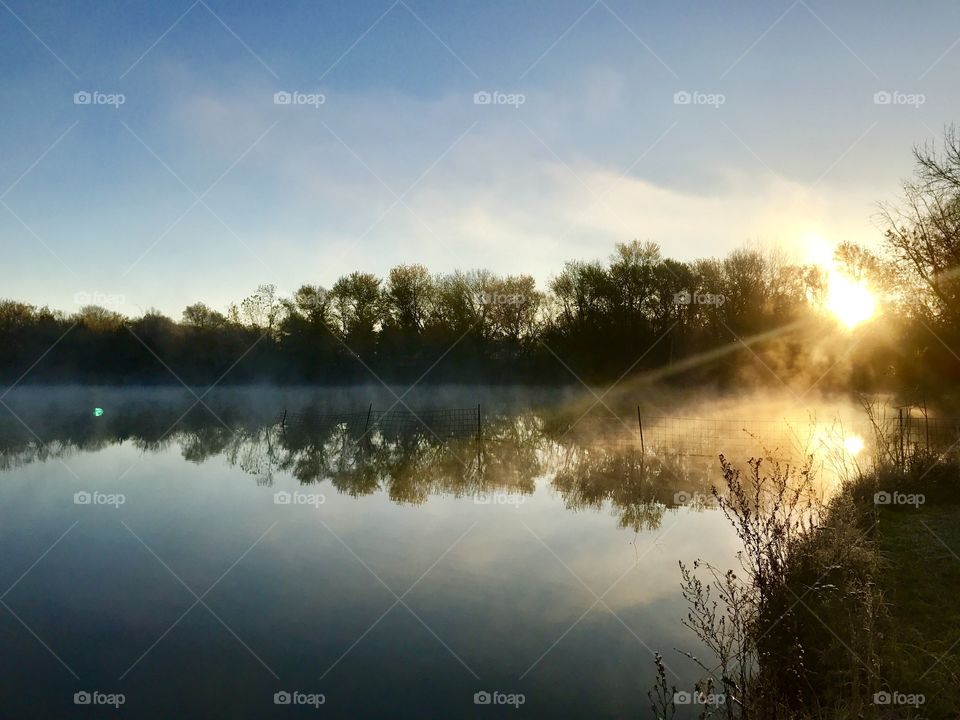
(635, 312)
(596, 317)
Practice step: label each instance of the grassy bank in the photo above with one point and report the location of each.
(913, 514)
(844, 609)
(921, 584)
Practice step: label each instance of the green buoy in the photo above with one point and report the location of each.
(97, 412)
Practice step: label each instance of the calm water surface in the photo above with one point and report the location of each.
(200, 561)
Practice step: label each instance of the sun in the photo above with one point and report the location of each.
(849, 300)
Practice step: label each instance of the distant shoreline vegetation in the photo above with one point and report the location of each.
(751, 316)
(638, 312)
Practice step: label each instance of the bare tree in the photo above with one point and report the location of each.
(923, 233)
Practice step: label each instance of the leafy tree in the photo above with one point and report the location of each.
(97, 318)
(357, 303)
(515, 308)
(409, 298)
(200, 316)
(463, 303)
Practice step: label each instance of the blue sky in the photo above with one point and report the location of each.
(199, 186)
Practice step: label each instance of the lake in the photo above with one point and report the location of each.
(465, 552)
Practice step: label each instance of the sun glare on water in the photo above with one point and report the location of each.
(850, 301)
(853, 444)
(830, 441)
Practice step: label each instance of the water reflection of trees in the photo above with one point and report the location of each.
(512, 454)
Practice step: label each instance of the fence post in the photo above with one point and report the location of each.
(479, 448)
(909, 430)
(900, 431)
(369, 412)
(643, 450)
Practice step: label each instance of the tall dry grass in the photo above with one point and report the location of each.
(793, 631)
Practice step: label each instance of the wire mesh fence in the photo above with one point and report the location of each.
(899, 434)
(442, 422)
(922, 431)
(695, 436)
